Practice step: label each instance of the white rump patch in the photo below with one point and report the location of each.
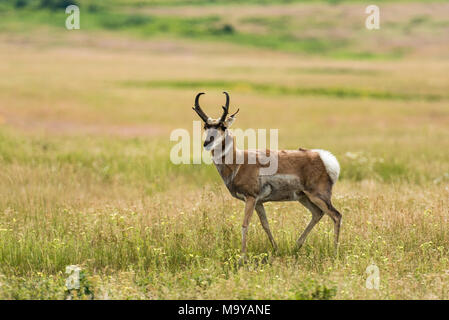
(331, 164)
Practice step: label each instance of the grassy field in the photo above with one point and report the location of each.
(85, 174)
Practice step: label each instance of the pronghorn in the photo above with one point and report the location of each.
(302, 175)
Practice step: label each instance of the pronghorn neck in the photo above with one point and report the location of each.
(229, 150)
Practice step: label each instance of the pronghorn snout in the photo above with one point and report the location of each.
(213, 137)
(209, 141)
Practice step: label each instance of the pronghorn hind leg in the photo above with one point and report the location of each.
(325, 204)
(264, 221)
(317, 214)
(337, 222)
(249, 209)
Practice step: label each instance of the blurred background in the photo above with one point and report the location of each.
(86, 115)
(311, 69)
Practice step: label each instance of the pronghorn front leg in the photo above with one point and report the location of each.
(249, 209)
(264, 221)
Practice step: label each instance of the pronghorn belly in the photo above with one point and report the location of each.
(280, 187)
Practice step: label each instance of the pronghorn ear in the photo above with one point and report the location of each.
(229, 121)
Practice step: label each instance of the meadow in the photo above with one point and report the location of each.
(85, 174)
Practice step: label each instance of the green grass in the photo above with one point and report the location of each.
(282, 33)
(209, 28)
(134, 162)
(285, 90)
(134, 244)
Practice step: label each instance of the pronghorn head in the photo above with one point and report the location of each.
(215, 128)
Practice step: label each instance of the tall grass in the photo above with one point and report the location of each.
(63, 206)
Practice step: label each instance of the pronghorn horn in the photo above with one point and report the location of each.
(232, 115)
(225, 108)
(198, 109)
